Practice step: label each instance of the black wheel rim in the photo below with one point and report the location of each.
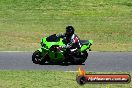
(37, 57)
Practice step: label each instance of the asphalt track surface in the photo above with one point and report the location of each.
(97, 61)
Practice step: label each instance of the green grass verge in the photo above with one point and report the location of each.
(48, 79)
(107, 22)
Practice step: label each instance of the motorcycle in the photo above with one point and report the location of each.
(51, 51)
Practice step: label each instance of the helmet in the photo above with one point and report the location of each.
(69, 30)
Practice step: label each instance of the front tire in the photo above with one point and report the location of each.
(36, 57)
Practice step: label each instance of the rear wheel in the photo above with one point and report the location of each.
(81, 59)
(84, 55)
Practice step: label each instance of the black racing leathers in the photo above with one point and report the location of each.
(72, 41)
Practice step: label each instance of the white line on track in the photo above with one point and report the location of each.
(72, 71)
(33, 51)
(88, 51)
(16, 51)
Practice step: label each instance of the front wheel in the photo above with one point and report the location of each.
(36, 57)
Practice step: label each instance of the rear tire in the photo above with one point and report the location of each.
(84, 56)
(80, 60)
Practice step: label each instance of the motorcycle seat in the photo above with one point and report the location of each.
(84, 42)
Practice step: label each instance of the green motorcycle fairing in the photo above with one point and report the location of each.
(85, 47)
(57, 56)
(54, 56)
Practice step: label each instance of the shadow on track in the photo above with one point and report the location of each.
(61, 64)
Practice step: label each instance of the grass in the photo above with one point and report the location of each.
(107, 22)
(23, 22)
(46, 79)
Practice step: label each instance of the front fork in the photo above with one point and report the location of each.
(43, 52)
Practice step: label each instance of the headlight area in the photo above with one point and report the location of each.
(42, 44)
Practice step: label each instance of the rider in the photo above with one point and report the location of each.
(70, 39)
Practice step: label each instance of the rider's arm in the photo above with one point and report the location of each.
(69, 44)
(72, 41)
(61, 35)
